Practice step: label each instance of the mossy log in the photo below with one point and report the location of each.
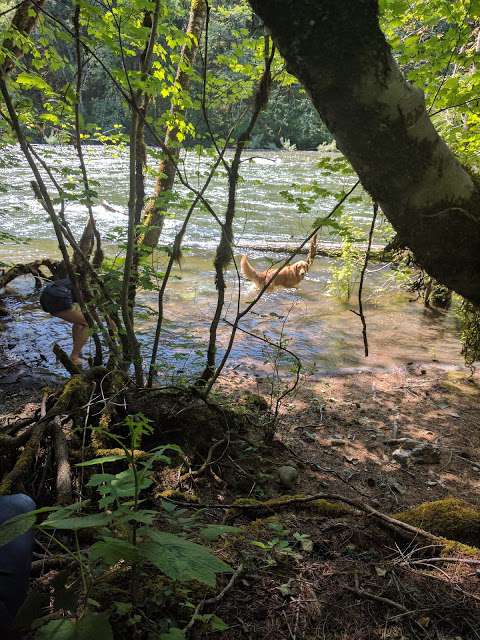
(74, 395)
(450, 518)
(320, 507)
(399, 524)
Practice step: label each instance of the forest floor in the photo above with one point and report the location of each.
(330, 572)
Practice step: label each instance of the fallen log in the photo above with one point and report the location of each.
(325, 249)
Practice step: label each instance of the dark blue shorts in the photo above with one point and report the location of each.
(15, 559)
(57, 296)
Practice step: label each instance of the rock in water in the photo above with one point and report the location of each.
(287, 476)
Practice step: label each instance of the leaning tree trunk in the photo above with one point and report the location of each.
(338, 52)
(155, 209)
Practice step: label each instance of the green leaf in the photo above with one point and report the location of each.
(32, 81)
(57, 630)
(213, 531)
(181, 559)
(94, 626)
(112, 550)
(16, 526)
(217, 624)
(91, 626)
(90, 463)
(73, 523)
(50, 117)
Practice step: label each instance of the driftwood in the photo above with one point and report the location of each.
(29, 268)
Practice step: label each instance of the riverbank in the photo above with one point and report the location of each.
(303, 568)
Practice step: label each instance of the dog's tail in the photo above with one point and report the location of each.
(247, 270)
(312, 252)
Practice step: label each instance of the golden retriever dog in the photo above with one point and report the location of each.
(289, 276)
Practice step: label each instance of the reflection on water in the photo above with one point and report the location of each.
(324, 333)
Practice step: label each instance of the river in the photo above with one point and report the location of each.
(319, 328)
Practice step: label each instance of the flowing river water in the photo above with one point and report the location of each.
(319, 328)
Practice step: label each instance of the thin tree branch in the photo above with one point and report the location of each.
(360, 313)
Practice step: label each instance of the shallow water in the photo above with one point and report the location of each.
(323, 332)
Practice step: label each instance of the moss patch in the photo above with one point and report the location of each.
(449, 518)
(75, 394)
(460, 383)
(320, 507)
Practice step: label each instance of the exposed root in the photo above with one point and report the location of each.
(25, 459)
(64, 475)
(403, 529)
(205, 465)
(65, 360)
(13, 442)
(215, 599)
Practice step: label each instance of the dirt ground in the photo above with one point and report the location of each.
(339, 576)
(350, 425)
(357, 582)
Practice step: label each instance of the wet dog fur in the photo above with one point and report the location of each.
(289, 276)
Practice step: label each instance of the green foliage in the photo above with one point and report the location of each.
(125, 532)
(470, 337)
(181, 559)
(435, 44)
(283, 544)
(91, 625)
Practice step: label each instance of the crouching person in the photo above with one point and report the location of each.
(58, 299)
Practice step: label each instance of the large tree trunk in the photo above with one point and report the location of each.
(155, 209)
(336, 49)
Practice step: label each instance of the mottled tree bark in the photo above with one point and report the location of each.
(338, 52)
(155, 209)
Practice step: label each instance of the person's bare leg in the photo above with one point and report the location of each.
(79, 331)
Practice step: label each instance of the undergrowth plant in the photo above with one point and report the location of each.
(469, 314)
(114, 546)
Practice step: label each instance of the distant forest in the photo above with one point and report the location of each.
(289, 121)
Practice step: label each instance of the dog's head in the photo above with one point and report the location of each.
(301, 268)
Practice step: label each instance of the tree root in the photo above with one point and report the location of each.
(62, 357)
(214, 600)
(278, 504)
(19, 424)
(64, 475)
(205, 465)
(13, 442)
(47, 564)
(24, 461)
